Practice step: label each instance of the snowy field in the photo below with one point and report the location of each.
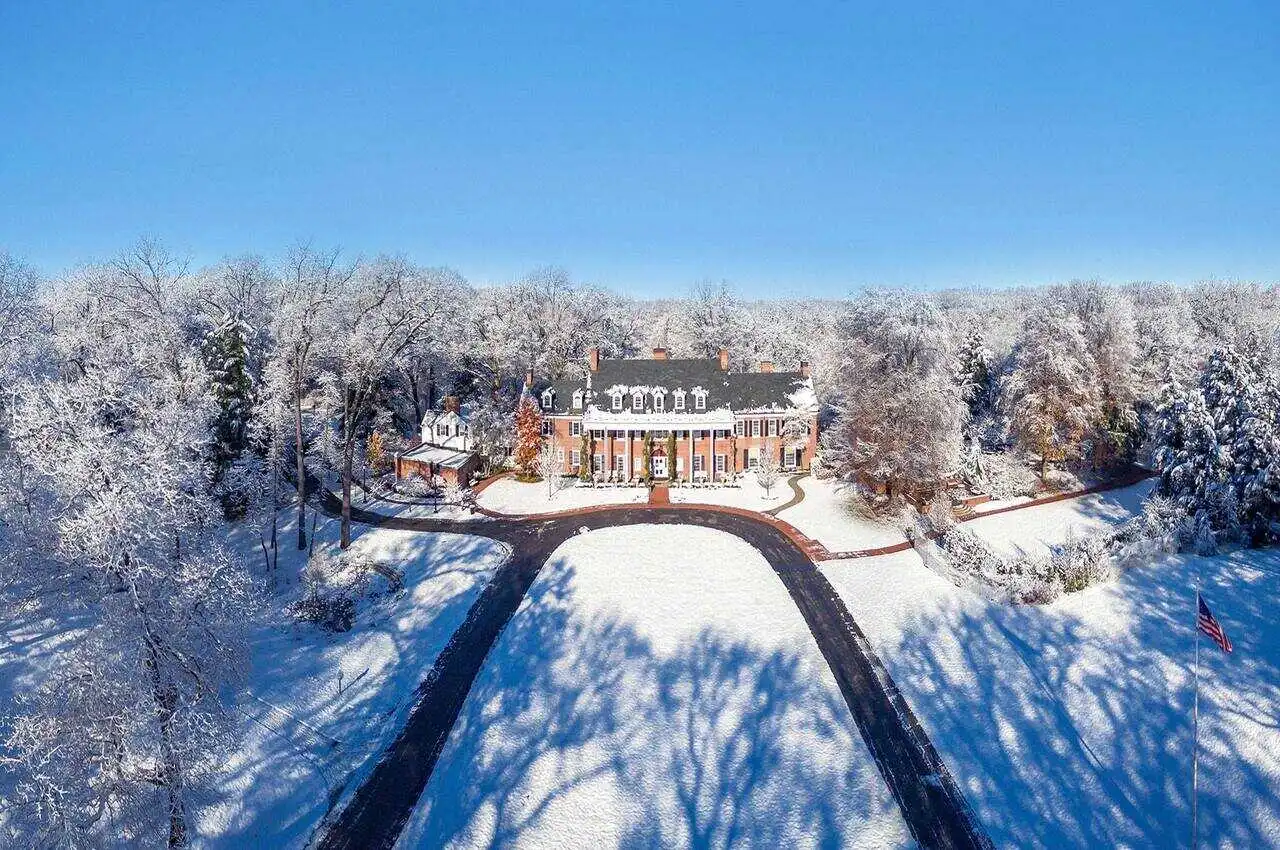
(277, 785)
(750, 495)
(1070, 725)
(509, 496)
(656, 688)
(1032, 531)
(826, 516)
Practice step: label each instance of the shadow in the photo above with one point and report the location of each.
(580, 731)
(1071, 725)
(305, 737)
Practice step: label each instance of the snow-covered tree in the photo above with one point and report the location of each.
(768, 469)
(378, 319)
(226, 358)
(304, 320)
(1051, 393)
(713, 319)
(114, 444)
(549, 467)
(899, 410)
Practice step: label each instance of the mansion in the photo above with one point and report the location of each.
(722, 420)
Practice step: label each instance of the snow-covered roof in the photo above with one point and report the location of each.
(439, 456)
(733, 391)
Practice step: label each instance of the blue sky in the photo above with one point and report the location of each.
(791, 148)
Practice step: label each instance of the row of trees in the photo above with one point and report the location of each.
(928, 388)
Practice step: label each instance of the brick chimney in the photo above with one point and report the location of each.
(766, 365)
(805, 370)
(528, 378)
(724, 360)
(450, 403)
(660, 354)
(593, 359)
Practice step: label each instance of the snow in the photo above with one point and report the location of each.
(1033, 530)
(277, 785)
(750, 495)
(509, 496)
(1070, 725)
(657, 687)
(826, 516)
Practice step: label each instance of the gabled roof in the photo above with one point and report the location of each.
(736, 391)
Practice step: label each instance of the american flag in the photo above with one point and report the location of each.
(1208, 624)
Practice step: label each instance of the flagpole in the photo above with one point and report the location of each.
(1195, 726)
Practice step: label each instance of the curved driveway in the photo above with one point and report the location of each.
(935, 811)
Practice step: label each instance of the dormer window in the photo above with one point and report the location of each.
(659, 402)
(637, 401)
(577, 399)
(699, 399)
(679, 402)
(548, 399)
(617, 401)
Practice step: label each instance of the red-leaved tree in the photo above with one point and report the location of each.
(528, 435)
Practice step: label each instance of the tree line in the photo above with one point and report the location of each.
(149, 407)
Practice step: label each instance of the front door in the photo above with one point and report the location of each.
(659, 464)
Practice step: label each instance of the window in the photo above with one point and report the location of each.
(637, 463)
(755, 427)
(698, 464)
(597, 463)
(720, 464)
(575, 459)
(752, 458)
(771, 428)
(577, 399)
(739, 428)
(699, 401)
(620, 464)
(442, 430)
(679, 402)
(575, 429)
(790, 458)
(617, 401)
(637, 401)
(548, 427)
(659, 402)
(548, 399)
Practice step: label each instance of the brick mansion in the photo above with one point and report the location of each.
(722, 420)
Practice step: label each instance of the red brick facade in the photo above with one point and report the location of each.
(712, 438)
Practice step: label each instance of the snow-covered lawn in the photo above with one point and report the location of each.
(749, 495)
(826, 515)
(657, 687)
(1032, 530)
(1070, 725)
(509, 496)
(278, 782)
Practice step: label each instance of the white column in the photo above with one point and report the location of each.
(689, 472)
(712, 459)
(627, 434)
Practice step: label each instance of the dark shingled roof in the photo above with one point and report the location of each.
(735, 390)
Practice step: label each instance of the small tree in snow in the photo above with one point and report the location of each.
(528, 435)
(549, 467)
(767, 470)
(585, 452)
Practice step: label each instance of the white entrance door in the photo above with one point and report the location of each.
(659, 464)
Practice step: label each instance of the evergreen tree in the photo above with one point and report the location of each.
(226, 358)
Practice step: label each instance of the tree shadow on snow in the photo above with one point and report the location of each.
(578, 722)
(1066, 735)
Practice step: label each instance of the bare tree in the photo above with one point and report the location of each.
(377, 322)
(305, 318)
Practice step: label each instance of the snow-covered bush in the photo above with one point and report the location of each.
(335, 586)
